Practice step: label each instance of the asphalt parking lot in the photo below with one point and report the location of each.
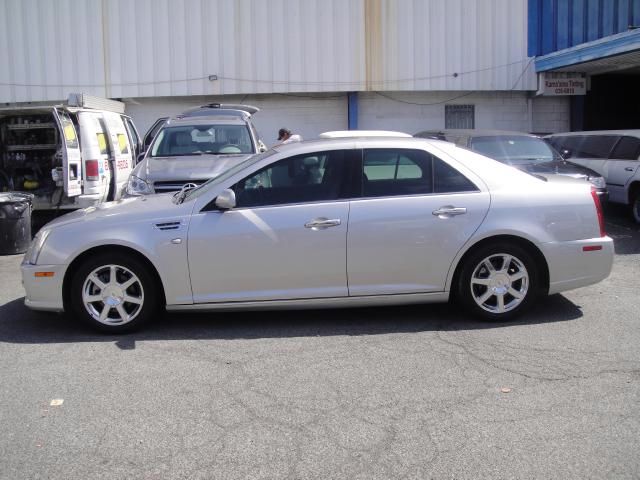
(413, 392)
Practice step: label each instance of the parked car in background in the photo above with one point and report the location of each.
(68, 155)
(195, 146)
(614, 154)
(327, 223)
(525, 152)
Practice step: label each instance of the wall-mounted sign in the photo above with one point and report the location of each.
(562, 83)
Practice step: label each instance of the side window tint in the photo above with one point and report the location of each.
(596, 146)
(628, 148)
(314, 177)
(447, 179)
(389, 172)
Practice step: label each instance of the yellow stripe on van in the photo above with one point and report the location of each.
(122, 143)
(69, 132)
(102, 142)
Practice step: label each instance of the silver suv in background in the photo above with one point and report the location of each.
(195, 146)
(615, 154)
(523, 151)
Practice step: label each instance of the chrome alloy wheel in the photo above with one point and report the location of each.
(499, 283)
(113, 295)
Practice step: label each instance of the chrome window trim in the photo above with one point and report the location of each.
(340, 200)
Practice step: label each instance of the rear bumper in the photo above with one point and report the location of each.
(88, 200)
(43, 293)
(603, 195)
(572, 267)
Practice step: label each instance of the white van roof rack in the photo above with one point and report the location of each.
(82, 100)
(362, 133)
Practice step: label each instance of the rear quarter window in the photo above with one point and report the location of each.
(628, 148)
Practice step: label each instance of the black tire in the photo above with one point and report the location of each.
(471, 293)
(635, 207)
(138, 301)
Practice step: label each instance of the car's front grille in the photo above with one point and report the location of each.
(174, 185)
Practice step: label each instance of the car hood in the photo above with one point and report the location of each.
(558, 167)
(147, 207)
(197, 167)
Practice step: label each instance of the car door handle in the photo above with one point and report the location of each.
(449, 211)
(322, 223)
(629, 169)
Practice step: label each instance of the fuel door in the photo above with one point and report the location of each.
(71, 158)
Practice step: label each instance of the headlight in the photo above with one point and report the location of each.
(36, 246)
(598, 182)
(137, 186)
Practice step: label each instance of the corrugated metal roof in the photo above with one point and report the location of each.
(142, 48)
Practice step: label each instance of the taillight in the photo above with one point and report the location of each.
(91, 170)
(596, 200)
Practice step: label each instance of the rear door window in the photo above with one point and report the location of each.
(628, 148)
(395, 172)
(391, 172)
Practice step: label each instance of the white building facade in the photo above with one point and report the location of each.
(310, 65)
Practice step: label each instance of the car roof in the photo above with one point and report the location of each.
(222, 109)
(634, 133)
(473, 133)
(205, 120)
(363, 134)
(357, 142)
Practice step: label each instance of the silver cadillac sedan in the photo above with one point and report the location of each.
(335, 222)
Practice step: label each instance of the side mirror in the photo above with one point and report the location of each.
(566, 153)
(139, 158)
(226, 200)
(261, 146)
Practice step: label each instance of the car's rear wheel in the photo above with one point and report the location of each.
(114, 294)
(498, 282)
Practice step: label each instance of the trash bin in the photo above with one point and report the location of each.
(15, 222)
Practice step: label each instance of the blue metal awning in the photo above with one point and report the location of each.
(622, 45)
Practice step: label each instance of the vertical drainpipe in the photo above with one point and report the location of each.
(105, 50)
(352, 110)
(373, 55)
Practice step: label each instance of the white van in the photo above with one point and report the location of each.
(68, 156)
(614, 154)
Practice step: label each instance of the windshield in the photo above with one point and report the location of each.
(202, 139)
(515, 149)
(196, 192)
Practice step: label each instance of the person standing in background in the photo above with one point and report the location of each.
(285, 136)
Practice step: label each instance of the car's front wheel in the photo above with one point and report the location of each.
(498, 282)
(635, 207)
(114, 294)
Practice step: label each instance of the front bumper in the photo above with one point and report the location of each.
(572, 267)
(43, 293)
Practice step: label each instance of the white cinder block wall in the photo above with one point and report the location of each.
(411, 112)
(551, 114)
